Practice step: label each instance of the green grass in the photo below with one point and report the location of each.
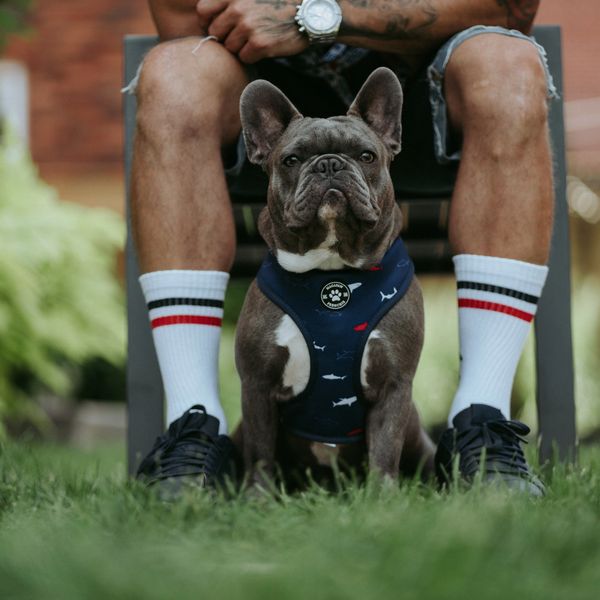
(70, 527)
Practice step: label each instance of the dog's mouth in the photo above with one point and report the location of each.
(332, 200)
(334, 205)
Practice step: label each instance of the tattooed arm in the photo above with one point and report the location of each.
(256, 29)
(413, 26)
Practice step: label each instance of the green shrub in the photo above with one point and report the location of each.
(13, 15)
(60, 302)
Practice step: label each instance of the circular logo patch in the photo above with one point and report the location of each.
(335, 295)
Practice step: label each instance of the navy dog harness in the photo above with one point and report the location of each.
(335, 311)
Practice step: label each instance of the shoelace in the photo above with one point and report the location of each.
(184, 449)
(501, 440)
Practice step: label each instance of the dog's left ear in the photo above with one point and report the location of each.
(379, 105)
(266, 113)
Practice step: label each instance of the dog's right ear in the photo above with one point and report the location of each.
(266, 113)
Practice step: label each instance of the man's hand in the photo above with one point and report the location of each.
(253, 29)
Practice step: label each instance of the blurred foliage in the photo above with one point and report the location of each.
(13, 15)
(60, 302)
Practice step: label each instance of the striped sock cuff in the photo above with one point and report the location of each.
(498, 284)
(185, 297)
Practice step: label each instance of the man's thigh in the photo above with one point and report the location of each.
(446, 143)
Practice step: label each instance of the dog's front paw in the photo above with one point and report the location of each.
(260, 483)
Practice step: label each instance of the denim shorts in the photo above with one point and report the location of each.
(322, 87)
(435, 77)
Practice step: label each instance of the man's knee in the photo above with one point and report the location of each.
(190, 93)
(499, 83)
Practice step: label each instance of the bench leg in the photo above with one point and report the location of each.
(554, 348)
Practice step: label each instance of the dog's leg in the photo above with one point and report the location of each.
(388, 420)
(418, 451)
(259, 424)
(260, 363)
(394, 433)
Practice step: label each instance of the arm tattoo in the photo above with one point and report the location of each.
(277, 4)
(404, 19)
(519, 13)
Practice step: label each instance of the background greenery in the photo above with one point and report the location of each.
(13, 18)
(60, 301)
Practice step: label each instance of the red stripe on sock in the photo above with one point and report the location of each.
(501, 308)
(185, 320)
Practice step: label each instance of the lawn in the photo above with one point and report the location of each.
(71, 527)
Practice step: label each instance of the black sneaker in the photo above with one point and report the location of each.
(482, 433)
(191, 453)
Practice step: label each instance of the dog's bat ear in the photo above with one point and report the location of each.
(266, 113)
(379, 105)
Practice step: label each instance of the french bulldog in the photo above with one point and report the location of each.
(323, 385)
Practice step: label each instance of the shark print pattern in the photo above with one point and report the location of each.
(332, 377)
(345, 401)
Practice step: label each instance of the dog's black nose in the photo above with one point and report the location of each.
(328, 165)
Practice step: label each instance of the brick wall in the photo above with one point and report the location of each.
(579, 20)
(74, 59)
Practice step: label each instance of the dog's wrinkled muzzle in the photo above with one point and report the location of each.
(333, 183)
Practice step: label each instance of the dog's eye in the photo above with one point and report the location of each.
(291, 160)
(367, 156)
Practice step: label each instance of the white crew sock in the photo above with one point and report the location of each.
(186, 309)
(497, 300)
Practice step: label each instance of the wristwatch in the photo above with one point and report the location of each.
(320, 19)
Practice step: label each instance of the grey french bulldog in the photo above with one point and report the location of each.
(331, 330)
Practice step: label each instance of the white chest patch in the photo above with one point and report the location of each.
(297, 368)
(323, 257)
(364, 363)
(318, 258)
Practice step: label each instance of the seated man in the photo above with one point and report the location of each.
(489, 87)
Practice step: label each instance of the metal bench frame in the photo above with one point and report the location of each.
(554, 358)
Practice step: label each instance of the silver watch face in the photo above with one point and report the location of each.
(321, 15)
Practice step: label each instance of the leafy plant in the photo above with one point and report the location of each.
(13, 14)
(60, 302)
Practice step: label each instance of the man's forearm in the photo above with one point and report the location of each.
(415, 26)
(256, 29)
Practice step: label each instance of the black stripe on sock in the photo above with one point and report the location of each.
(186, 302)
(486, 287)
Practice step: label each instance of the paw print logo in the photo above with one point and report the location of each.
(335, 295)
